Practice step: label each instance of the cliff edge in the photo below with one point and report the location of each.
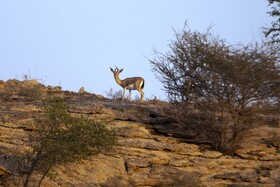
(152, 149)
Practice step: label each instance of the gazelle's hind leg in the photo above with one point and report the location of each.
(142, 94)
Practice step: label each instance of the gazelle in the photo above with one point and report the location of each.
(131, 83)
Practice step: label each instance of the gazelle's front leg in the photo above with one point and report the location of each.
(123, 93)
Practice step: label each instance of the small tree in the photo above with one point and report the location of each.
(203, 73)
(62, 138)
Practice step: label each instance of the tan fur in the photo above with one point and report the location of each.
(131, 83)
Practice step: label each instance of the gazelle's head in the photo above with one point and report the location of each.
(116, 72)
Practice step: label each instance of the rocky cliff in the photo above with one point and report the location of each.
(152, 149)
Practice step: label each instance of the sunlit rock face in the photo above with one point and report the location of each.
(152, 149)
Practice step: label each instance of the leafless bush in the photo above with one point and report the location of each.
(212, 82)
(112, 94)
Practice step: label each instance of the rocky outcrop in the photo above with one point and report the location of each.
(151, 150)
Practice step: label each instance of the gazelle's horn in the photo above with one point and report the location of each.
(117, 69)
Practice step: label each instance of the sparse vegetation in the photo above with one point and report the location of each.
(63, 138)
(112, 94)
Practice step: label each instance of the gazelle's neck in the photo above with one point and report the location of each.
(118, 80)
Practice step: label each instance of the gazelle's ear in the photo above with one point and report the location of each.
(111, 69)
(120, 70)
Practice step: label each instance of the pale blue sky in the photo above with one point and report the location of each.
(73, 43)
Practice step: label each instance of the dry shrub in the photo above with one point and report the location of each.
(112, 94)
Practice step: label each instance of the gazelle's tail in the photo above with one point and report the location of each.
(143, 84)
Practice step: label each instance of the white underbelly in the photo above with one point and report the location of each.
(131, 87)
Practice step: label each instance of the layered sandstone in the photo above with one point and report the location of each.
(151, 148)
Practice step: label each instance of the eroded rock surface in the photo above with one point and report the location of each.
(151, 150)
